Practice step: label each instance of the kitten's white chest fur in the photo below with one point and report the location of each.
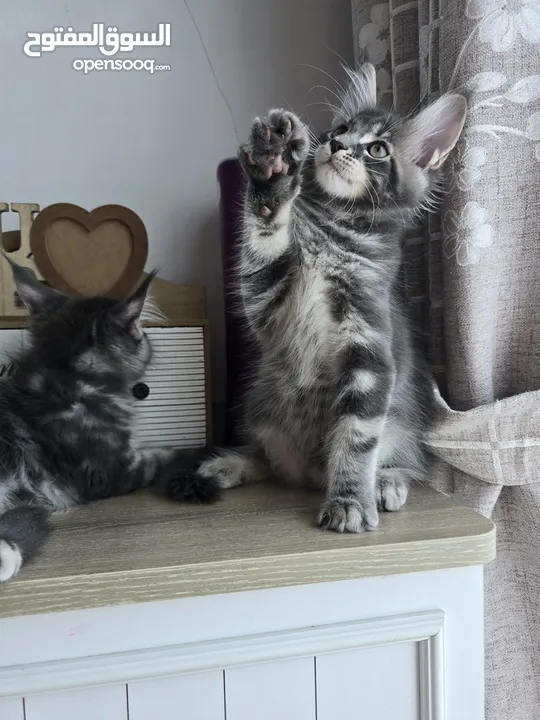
(309, 333)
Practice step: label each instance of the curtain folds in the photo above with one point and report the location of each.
(473, 282)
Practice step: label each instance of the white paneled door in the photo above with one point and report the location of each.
(378, 682)
(270, 691)
(97, 703)
(12, 709)
(197, 696)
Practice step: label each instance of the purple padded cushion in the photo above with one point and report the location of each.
(231, 183)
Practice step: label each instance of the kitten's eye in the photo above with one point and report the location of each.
(340, 130)
(377, 150)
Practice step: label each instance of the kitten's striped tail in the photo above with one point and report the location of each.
(185, 483)
(24, 530)
(215, 469)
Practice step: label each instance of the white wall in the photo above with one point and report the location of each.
(153, 142)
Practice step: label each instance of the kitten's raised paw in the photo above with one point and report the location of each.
(348, 515)
(392, 489)
(277, 146)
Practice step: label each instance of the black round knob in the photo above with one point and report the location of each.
(141, 391)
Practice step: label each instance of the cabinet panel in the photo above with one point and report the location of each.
(12, 709)
(197, 696)
(105, 703)
(284, 690)
(378, 682)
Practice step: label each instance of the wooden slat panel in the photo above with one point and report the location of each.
(284, 690)
(181, 443)
(167, 380)
(197, 696)
(185, 443)
(191, 419)
(177, 382)
(162, 400)
(184, 430)
(188, 330)
(188, 410)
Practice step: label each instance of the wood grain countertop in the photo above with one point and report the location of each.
(143, 548)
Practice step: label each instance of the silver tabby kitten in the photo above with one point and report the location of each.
(67, 416)
(341, 395)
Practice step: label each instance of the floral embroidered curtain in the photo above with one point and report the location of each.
(473, 281)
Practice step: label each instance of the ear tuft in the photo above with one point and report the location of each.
(433, 133)
(361, 92)
(129, 310)
(34, 294)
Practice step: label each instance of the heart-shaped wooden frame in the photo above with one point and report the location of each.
(90, 221)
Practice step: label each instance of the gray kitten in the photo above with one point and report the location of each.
(67, 416)
(341, 395)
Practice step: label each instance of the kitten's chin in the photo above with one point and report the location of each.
(333, 183)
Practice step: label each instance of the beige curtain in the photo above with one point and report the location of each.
(473, 276)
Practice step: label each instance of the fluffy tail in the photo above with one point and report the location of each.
(185, 483)
(211, 470)
(167, 470)
(23, 532)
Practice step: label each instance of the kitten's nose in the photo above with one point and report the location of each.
(335, 145)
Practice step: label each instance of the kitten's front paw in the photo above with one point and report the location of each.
(277, 147)
(348, 515)
(392, 489)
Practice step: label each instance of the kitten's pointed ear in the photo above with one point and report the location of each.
(129, 311)
(361, 92)
(433, 133)
(34, 294)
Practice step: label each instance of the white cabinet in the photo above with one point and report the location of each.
(246, 620)
(361, 648)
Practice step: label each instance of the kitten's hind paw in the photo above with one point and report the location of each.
(348, 515)
(231, 468)
(392, 488)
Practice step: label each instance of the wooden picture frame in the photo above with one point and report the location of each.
(119, 236)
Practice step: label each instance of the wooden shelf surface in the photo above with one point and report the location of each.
(143, 548)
